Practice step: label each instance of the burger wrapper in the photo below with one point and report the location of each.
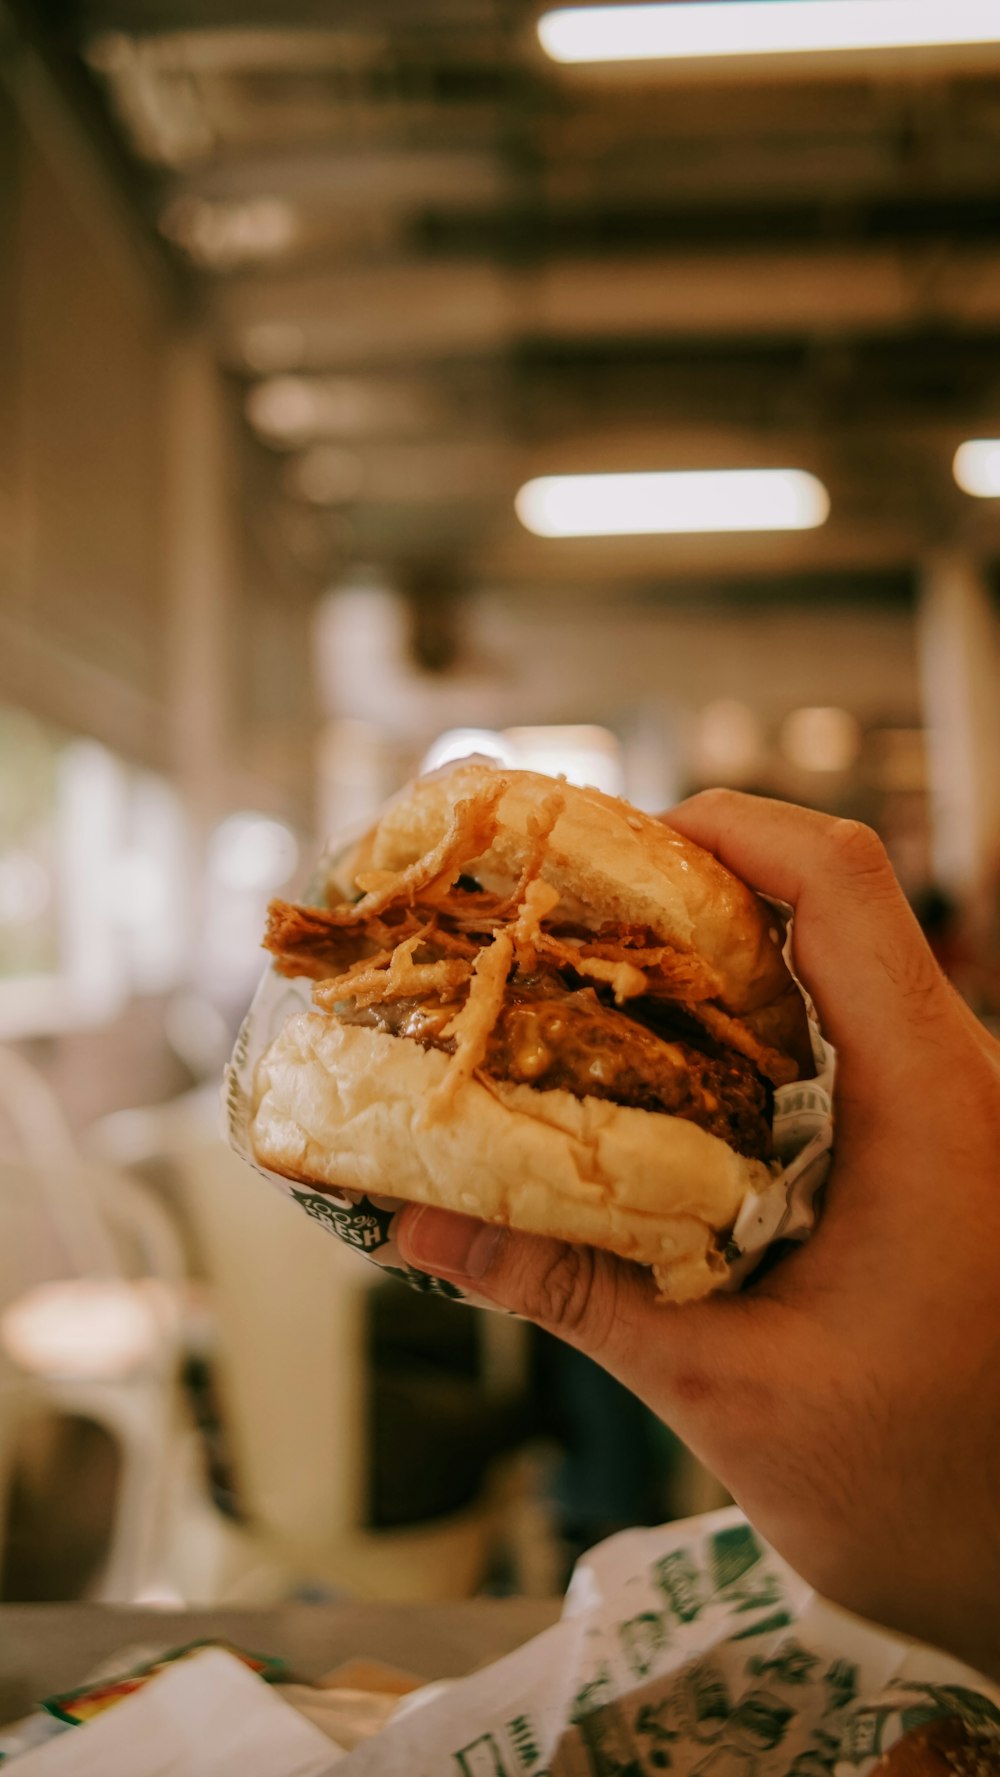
(785, 1210)
(688, 1649)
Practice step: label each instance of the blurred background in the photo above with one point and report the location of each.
(304, 309)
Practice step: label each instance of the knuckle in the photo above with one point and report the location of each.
(858, 850)
(561, 1293)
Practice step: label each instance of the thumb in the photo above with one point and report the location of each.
(591, 1299)
(713, 1370)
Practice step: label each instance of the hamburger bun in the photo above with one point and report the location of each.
(340, 1104)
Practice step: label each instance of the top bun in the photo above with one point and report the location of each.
(612, 865)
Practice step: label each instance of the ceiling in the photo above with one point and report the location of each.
(432, 264)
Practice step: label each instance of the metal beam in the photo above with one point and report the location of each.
(418, 309)
(147, 17)
(339, 177)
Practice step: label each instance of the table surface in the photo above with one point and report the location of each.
(45, 1648)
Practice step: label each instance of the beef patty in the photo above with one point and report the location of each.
(550, 1035)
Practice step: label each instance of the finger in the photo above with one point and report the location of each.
(857, 944)
(683, 1361)
(590, 1298)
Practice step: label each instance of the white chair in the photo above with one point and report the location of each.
(90, 1291)
(290, 1305)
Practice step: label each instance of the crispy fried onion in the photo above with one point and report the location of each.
(734, 1034)
(624, 979)
(311, 941)
(471, 1025)
(679, 974)
(482, 935)
(616, 967)
(471, 833)
(394, 976)
(540, 824)
(306, 941)
(540, 899)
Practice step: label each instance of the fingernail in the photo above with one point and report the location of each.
(437, 1240)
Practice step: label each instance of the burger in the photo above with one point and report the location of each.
(534, 1004)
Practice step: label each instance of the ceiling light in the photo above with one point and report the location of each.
(976, 468)
(691, 28)
(676, 501)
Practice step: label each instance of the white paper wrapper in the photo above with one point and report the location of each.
(786, 1210)
(688, 1649)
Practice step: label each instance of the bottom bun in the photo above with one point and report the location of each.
(339, 1106)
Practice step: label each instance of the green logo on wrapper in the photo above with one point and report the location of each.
(609, 1744)
(862, 1738)
(428, 1286)
(734, 1551)
(593, 1695)
(360, 1225)
(759, 1721)
(780, 1619)
(794, 1665)
(841, 1680)
(481, 1758)
(642, 1638)
(653, 1724)
(524, 1741)
(738, 1569)
(703, 1701)
(679, 1579)
(818, 1760)
(975, 1710)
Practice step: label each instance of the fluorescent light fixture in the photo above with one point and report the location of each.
(657, 504)
(976, 468)
(691, 28)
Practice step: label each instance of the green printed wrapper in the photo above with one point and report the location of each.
(694, 1650)
(785, 1210)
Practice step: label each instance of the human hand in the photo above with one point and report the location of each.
(849, 1400)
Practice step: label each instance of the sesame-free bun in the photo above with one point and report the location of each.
(339, 1106)
(613, 866)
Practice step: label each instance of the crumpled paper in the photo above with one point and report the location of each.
(691, 1649)
(207, 1716)
(785, 1210)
